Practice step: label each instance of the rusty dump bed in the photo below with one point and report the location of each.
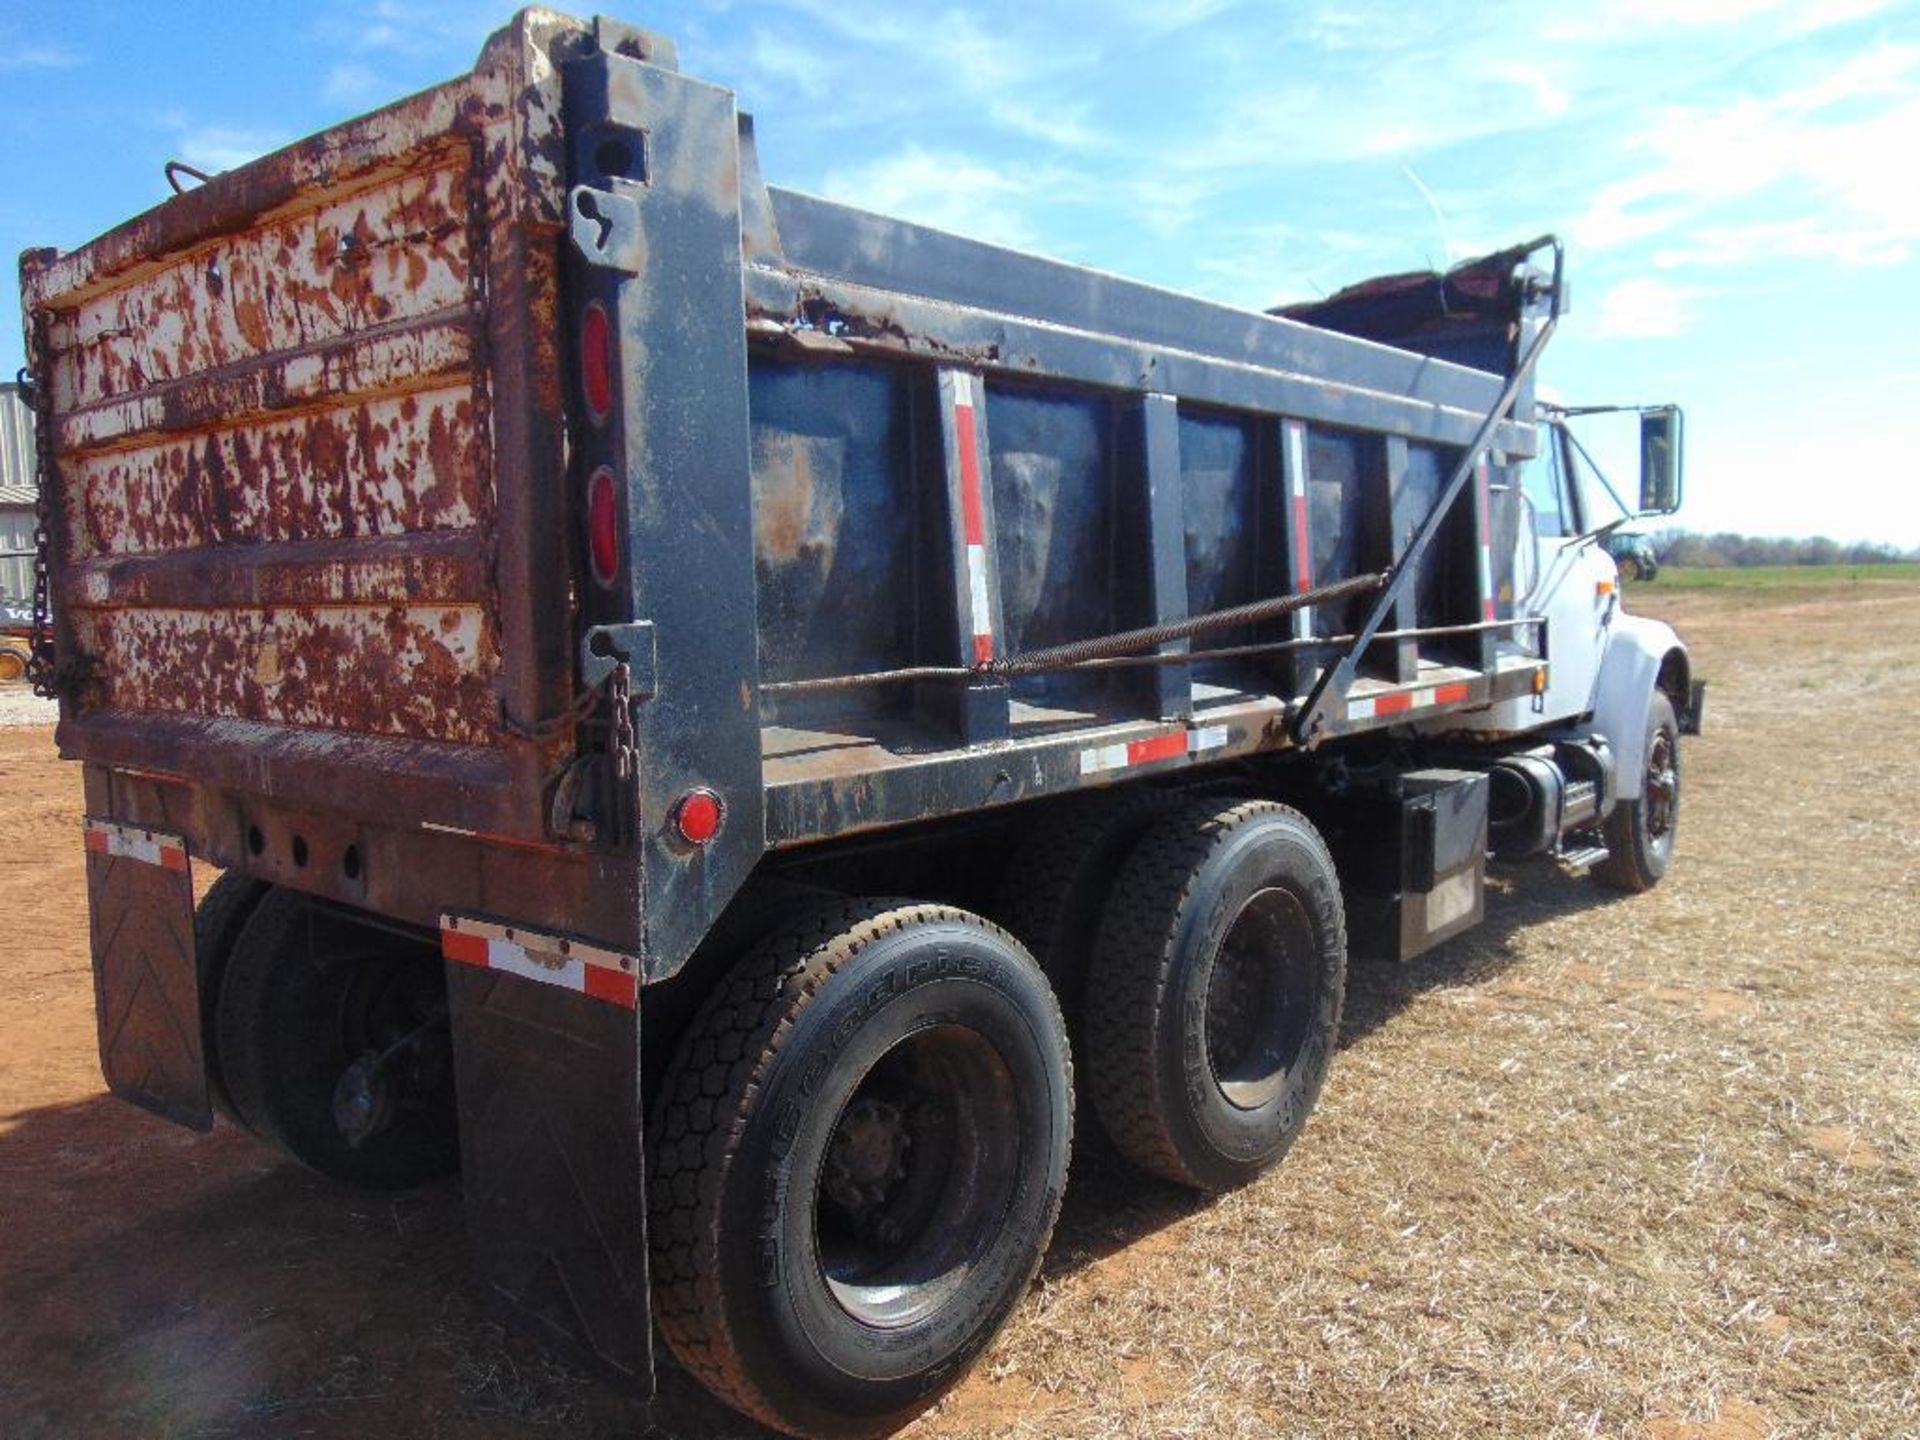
(516, 464)
(302, 426)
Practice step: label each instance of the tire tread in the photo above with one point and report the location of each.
(1126, 997)
(706, 1101)
(217, 922)
(1627, 866)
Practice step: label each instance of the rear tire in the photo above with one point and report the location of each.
(217, 921)
(1639, 831)
(14, 660)
(1213, 1002)
(857, 1157)
(1057, 882)
(308, 992)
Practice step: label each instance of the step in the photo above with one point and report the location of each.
(1579, 862)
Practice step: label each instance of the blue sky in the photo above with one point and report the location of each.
(1738, 180)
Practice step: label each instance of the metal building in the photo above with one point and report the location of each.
(16, 495)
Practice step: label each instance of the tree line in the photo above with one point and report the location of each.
(1725, 549)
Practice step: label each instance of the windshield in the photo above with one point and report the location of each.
(1594, 503)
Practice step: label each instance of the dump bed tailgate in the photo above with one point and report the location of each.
(302, 425)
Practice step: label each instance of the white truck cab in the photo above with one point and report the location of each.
(1619, 687)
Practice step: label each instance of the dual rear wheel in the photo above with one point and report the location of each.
(325, 1035)
(859, 1150)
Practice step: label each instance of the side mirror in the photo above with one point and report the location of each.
(1662, 438)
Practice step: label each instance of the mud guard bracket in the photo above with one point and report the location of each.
(145, 981)
(546, 1045)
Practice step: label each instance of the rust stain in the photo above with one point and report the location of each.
(384, 670)
(382, 467)
(273, 408)
(395, 251)
(798, 504)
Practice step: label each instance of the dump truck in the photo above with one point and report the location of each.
(736, 722)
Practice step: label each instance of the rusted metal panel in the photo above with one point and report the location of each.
(305, 432)
(391, 466)
(410, 569)
(388, 251)
(394, 670)
(332, 376)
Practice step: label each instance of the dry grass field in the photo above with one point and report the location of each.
(1607, 1166)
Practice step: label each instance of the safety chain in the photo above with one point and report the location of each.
(578, 709)
(42, 661)
(620, 697)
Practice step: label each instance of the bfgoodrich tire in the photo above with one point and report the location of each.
(857, 1158)
(308, 992)
(1213, 1001)
(1640, 830)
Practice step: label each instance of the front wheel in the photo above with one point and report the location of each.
(857, 1158)
(1639, 833)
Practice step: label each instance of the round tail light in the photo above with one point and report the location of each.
(596, 361)
(697, 816)
(603, 526)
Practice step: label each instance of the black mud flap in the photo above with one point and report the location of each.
(546, 1047)
(1696, 708)
(145, 984)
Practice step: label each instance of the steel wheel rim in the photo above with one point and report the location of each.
(1258, 1010)
(1662, 791)
(382, 1012)
(917, 1177)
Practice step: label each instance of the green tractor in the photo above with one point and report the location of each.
(1633, 554)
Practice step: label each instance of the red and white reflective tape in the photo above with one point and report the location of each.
(534, 955)
(1302, 540)
(1483, 508)
(1399, 702)
(125, 842)
(1160, 747)
(973, 516)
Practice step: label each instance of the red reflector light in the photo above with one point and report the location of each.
(596, 361)
(698, 815)
(603, 526)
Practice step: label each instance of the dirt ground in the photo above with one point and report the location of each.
(1604, 1167)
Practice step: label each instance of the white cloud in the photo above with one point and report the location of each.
(1643, 309)
(1386, 87)
(1026, 83)
(949, 191)
(227, 147)
(351, 84)
(1817, 156)
(412, 28)
(1165, 16)
(1640, 16)
(1806, 238)
(38, 57)
(1260, 266)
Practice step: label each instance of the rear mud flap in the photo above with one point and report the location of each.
(546, 1045)
(145, 984)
